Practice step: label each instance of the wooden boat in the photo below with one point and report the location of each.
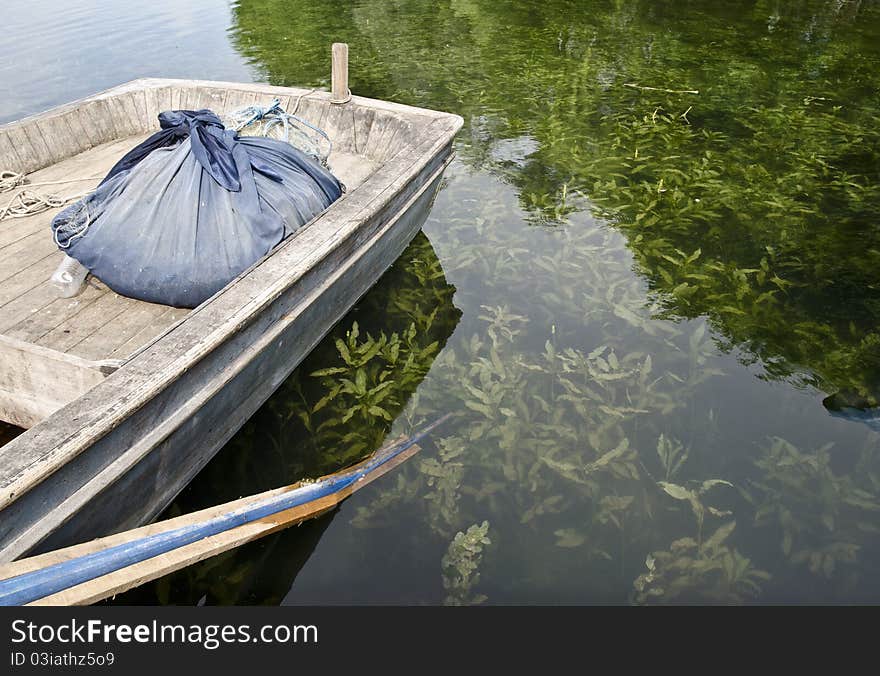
(126, 401)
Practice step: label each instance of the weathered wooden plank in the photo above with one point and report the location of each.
(135, 109)
(9, 160)
(87, 167)
(362, 123)
(28, 158)
(41, 320)
(119, 116)
(147, 120)
(188, 97)
(420, 115)
(28, 278)
(14, 229)
(163, 97)
(24, 252)
(111, 100)
(35, 382)
(284, 102)
(94, 128)
(155, 327)
(383, 142)
(41, 151)
(152, 569)
(351, 169)
(88, 320)
(298, 104)
(84, 135)
(176, 93)
(378, 129)
(310, 109)
(339, 126)
(20, 308)
(237, 99)
(57, 137)
(92, 163)
(127, 326)
(153, 108)
(207, 97)
(158, 99)
(97, 119)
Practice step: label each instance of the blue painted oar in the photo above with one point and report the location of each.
(37, 584)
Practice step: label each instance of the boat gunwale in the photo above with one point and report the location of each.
(46, 447)
(144, 83)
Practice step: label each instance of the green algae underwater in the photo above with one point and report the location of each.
(656, 254)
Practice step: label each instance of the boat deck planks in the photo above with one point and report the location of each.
(98, 324)
(30, 309)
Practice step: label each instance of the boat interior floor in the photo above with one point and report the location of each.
(97, 330)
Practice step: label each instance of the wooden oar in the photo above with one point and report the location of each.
(95, 570)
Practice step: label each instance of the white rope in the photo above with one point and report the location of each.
(10, 180)
(27, 202)
(299, 100)
(344, 99)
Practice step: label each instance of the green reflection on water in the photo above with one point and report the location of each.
(627, 262)
(753, 202)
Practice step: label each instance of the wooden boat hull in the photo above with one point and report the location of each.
(118, 455)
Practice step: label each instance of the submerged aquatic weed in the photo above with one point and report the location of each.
(443, 482)
(608, 246)
(695, 498)
(821, 515)
(461, 563)
(381, 510)
(672, 455)
(690, 572)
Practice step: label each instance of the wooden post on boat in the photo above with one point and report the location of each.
(340, 92)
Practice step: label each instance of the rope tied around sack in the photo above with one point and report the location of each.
(274, 122)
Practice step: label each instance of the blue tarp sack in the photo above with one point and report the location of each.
(190, 208)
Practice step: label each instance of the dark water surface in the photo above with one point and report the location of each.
(656, 254)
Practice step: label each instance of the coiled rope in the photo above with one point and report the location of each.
(27, 202)
(274, 122)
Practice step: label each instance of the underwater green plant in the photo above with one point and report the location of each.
(695, 497)
(693, 572)
(822, 515)
(461, 563)
(650, 216)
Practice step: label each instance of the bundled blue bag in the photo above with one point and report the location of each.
(190, 208)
